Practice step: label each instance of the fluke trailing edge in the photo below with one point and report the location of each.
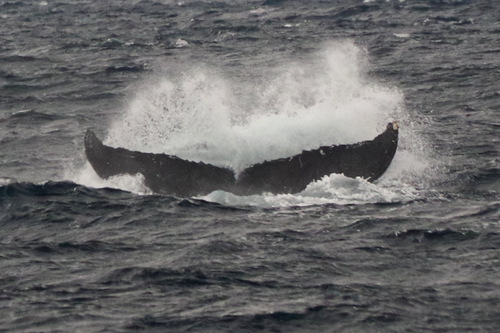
(170, 175)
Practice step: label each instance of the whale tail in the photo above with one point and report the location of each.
(164, 174)
(367, 159)
(170, 175)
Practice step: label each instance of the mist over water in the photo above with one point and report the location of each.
(203, 114)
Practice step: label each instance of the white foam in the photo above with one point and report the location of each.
(334, 188)
(402, 35)
(203, 114)
(6, 181)
(131, 183)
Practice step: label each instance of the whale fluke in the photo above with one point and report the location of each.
(171, 175)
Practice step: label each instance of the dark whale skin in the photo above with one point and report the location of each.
(171, 175)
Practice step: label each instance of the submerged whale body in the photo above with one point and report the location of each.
(171, 175)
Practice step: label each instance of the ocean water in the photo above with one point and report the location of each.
(234, 83)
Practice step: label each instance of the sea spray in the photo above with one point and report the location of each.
(132, 183)
(197, 113)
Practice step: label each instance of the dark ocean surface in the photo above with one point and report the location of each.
(234, 83)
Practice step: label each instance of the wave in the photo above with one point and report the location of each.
(76, 196)
(335, 188)
(441, 236)
(11, 188)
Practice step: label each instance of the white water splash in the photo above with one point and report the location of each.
(202, 115)
(131, 183)
(335, 188)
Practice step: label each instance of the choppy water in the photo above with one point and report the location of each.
(233, 83)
